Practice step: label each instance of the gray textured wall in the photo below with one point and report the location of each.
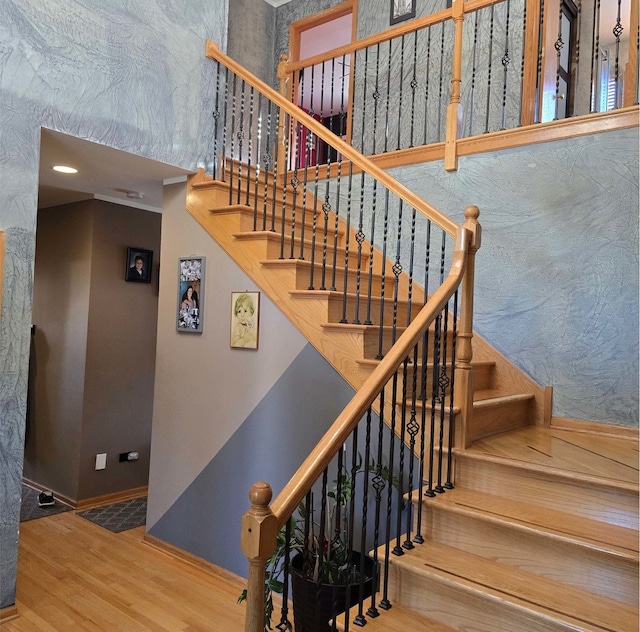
(132, 77)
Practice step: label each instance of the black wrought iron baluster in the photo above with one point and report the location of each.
(367, 320)
(617, 32)
(216, 121)
(506, 60)
(314, 226)
(355, 466)
(274, 169)
(285, 624)
(383, 272)
(283, 225)
(473, 74)
(311, 158)
(414, 85)
(418, 537)
(435, 364)
(397, 550)
(401, 80)
(376, 98)
(595, 54)
(386, 116)
(454, 338)
(360, 618)
(412, 430)
(295, 183)
(378, 483)
(250, 148)
(336, 225)
(522, 60)
(397, 271)
(426, 89)
(308, 139)
(256, 179)
(240, 135)
(335, 529)
(441, 85)
(486, 125)
(539, 78)
(412, 249)
(576, 79)
(323, 536)
(346, 247)
(359, 240)
(266, 161)
(232, 134)
(558, 45)
(443, 380)
(225, 106)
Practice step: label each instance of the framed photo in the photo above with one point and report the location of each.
(190, 309)
(245, 318)
(402, 10)
(138, 267)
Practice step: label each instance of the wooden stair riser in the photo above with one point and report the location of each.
(564, 560)
(464, 607)
(494, 416)
(550, 490)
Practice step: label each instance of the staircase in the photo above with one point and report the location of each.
(541, 530)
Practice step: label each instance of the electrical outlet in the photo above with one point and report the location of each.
(128, 456)
(101, 461)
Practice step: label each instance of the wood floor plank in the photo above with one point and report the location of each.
(75, 575)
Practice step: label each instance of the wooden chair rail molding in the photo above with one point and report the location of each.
(213, 52)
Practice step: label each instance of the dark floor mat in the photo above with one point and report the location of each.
(29, 509)
(118, 517)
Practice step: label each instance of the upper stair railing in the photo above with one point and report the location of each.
(479, 67)
(382, 253)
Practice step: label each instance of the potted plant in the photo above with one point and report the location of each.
(325, 571)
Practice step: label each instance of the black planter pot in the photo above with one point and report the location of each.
(315, 605)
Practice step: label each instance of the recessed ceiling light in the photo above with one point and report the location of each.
(64, 169)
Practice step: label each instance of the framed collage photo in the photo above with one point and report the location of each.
(190, 305)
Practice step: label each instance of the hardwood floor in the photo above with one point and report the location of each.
(75, 575)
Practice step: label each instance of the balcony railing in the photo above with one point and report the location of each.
(480, 67)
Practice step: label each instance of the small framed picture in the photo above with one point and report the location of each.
(245, 318)
(402, 10)
(138, 267)
(190, 308)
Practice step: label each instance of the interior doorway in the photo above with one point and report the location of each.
(323, 89)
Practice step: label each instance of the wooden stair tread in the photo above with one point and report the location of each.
(549, 598)
(609, 538)
(397, 619)
(550, 471)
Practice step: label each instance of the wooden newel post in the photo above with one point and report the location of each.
(258, 541)
(463, 395)
(454, 110)
(283, 79)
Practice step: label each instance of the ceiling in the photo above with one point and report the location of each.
(104, 173)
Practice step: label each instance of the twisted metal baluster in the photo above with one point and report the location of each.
(266, 159)
(440, 89)
(537, 113)
(216, 119)
(595, 53)
(346, 247)
(250, 147)
(225, 113)
(285, 624)
(274, 174)
(231, 133)
(398, 549)
(524, 34)
(240, 135)
(473, 74)
(367, 320)
(505, 64)
(486, 126)
(376, 98)
(412, 430)
(258, 161)
(576, 81)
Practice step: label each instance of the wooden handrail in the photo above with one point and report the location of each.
(313, 466)
(213, 51)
